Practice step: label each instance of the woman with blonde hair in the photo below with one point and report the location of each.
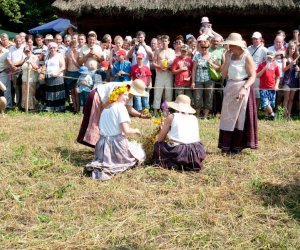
(290, 69)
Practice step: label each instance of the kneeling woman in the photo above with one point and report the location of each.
(183, 151)
(113, 152)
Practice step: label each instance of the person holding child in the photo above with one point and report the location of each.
(142, 72)
(84, 86)
(114, 153)
(268, 74)
(183, 150)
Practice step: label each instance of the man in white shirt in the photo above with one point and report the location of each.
(15, 59)
(259, 53)
(140, 47)
(162, 61)
(4, 74)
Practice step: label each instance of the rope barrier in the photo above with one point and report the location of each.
(181, 88)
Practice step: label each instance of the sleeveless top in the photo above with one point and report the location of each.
(290, 78)
(52, 64)
(184, 129)
(237, 69)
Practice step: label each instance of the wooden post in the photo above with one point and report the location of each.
(27, 89)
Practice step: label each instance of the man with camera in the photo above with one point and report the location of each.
(140, 47)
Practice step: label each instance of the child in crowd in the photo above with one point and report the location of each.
(269, 76)
(122, 68)
(84, 86)
(142, 72)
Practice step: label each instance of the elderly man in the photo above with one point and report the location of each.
(4, 75)
(258, 52)
(15, 59)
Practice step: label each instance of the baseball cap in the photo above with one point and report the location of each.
(121, 52)
(48, 37)
(184, 47)
(140, 55)
(270, 54)
(104, 64)
(256, 35)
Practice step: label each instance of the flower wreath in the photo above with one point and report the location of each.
(113, 97)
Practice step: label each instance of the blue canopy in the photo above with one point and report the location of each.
(55, 26)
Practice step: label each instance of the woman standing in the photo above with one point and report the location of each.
(30, 65)
(55, 91)
(238, 125)
(290, 69)
(113, 152)
(203, 94)
(183, 151)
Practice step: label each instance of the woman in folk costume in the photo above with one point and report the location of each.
(113, 152)
(238, 124)
(183, 150)
(98, 98)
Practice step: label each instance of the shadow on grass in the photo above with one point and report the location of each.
(286, 196)
(77, 158)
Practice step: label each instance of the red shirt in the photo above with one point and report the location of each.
(183, 78)
(141, 73)
(267, 80)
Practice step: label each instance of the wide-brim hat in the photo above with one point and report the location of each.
(182, 104)
(2, 86)
(3, 103)
(137, 88)
(235, 39)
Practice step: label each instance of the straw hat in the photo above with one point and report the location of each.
(182, 104)
(235, 39)
(3, 103)
(137, 88)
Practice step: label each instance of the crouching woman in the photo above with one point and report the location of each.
(113, 152)
(183, 149)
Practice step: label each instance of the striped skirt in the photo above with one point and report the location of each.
(114, 154)
(55, 94)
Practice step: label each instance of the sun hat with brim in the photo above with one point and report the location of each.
(3, 103)
(235, 39)
(83, 70)
(48, 37)
(182, 104)
(137, 88)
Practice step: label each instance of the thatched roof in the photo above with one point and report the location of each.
(159, 7)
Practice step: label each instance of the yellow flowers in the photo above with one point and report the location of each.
(117, 92)
(157, 121)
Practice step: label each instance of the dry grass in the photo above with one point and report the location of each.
(250, 201)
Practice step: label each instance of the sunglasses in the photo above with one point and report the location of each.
(204, 47)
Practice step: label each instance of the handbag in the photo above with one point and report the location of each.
(214, 75)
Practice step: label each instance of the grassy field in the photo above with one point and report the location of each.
(249, 201)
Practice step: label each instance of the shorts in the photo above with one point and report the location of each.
(267, 97)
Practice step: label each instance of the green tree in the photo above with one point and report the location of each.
(12, 9)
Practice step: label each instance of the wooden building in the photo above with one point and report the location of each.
(156, 17)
